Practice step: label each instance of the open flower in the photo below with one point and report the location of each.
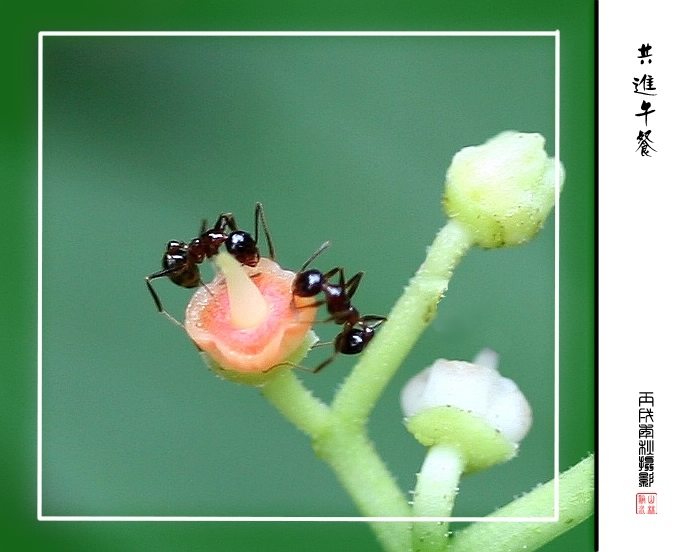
(246, 321)
(468, 406)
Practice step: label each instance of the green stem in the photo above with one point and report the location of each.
(436, 489)
(576, 505)
(351, 455)
(409, 317)
(287, 393)
(367, 480)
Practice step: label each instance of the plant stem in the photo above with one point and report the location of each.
(351, 455)
(436, 489)
(288, 394)
(408, 318)
(576, 505)
(367, 480)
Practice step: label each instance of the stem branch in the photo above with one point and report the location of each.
(408, 318)
(576, 505)
(288, 394)
(436, 489)
(368, 482)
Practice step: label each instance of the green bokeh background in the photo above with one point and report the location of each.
(341, 138)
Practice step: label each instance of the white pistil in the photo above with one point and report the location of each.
(247, 306)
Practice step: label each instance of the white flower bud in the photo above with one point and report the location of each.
(468, 405)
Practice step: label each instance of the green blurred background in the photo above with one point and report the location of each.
(344, 139)
(341, 138)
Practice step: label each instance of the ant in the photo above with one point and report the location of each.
(352, 339)
(180, 261)
(357, 330)
(338, 297)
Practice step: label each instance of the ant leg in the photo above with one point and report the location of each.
(278, 366)
(290, 364)
(316, 305)
(261, 215)
(371, 323)
(352, 284)
(378, 320)
(315, 370)
(165, 272)
(321, 344)
(300, 367)
(153, 293)
(159, 274)
(293, 365)
(179, 324)
(203, 226)
(157, 300)
(336, 270)
(330, 358)
(325, 363)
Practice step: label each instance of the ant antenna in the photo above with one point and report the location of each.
(261, 215)
(321, 249)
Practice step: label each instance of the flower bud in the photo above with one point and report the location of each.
(502, 191)
(470, 406)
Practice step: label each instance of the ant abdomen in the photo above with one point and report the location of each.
(189, 278)
(353, 341)
(176, 266)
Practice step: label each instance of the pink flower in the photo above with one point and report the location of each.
(247, 321)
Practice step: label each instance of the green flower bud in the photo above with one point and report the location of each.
(502, 191)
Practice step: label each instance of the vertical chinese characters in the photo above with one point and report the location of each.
(645, 501)
(644, 86)
(645, 455)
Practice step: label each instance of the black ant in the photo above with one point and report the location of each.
(352, 339)
(338, 297)
(181, 259)
(357, 330)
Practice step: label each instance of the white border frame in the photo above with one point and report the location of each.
(39, 477)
